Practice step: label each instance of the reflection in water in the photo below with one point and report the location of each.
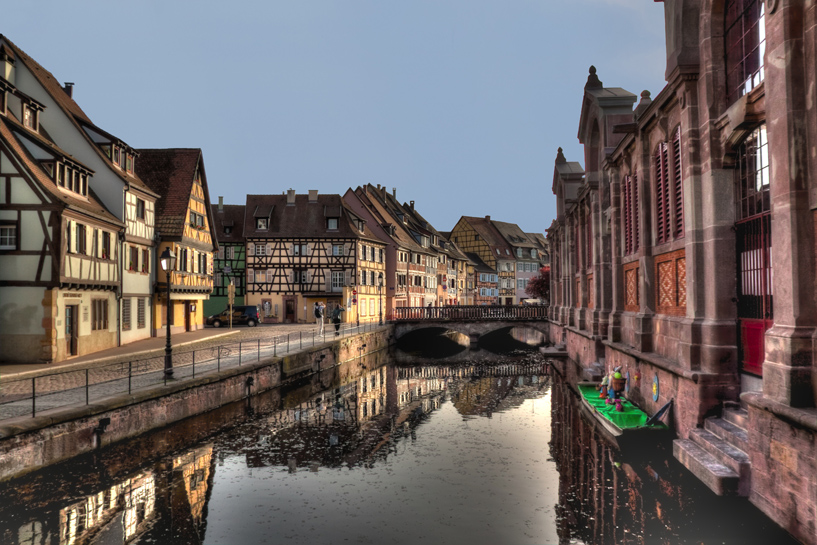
(390, 454)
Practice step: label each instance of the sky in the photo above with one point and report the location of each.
(458, 104)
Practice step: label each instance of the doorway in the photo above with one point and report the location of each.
(289, 313)
(71, 329)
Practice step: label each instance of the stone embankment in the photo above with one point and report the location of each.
(28, 444)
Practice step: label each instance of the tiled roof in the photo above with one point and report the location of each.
(170, 174)
(230, 215)
(90, 206)
(303, 219)
(513, 235)
(75, 114)
(386, 206)
(479, 264)
(487, 232)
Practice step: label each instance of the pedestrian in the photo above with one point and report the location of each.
(336, 318)
(319, 312)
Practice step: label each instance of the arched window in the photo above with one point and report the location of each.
(745, 43)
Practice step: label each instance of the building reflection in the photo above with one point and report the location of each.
(122, 511)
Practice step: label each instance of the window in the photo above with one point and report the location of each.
(371, 307)
(221, 252)
(106, 246)
(745, 42)
(202, 263)
(363, 277)
(99, 314)
(145, 261)
(337, 249)
(380, 255)
(332, 223)
(300, 249)
(301, 276)
(520, 283)
(140, 209)
(338, 278)
(260, 276)
(630, 216)
(140, 313)
(81, 239)
(133, 264)
(29, 117)
(126, 311)
(8, 237)
(669, 191)
(363, 307)
(260, 249)
(533, 254)
(230, 252)
(371, 278)
(261, 223)
(753, 175)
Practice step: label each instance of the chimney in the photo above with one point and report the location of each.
(313, 195)
(411, 205)
(394, 193)
(378, 187)
(488, 218)
(220, 203)
(69, 89)
(290, 197)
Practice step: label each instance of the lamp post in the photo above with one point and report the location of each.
(380, 293)
(168, 263)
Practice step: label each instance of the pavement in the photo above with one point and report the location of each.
(147, 347)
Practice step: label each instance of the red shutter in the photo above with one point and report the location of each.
(662, 203)
(678, 184)
(635, 213)
(588, 252)
(626, 207)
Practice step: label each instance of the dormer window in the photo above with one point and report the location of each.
(332, 224)
(519, 252)
(30, 117)
(227, 230)
(533, 254)
(261, 223)
(71, 178)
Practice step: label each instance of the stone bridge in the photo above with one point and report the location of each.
(472, 321)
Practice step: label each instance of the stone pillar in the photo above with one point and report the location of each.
(787, 371)
(602, 268)
(616, 277)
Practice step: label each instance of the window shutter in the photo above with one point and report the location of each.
(628, 218)
(678, 186)
(347, 277)
(250, 248)
(270, 273)
(635, 215)
(660, 200)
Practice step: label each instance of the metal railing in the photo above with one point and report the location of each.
(469, 313)
(33, 395)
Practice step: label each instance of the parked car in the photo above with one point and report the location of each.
(242, 315)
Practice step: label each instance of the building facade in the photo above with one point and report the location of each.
(307, 249)
(662, 250)
(184, 227)
(230, 259)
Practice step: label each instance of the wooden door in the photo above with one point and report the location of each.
(71, 326)
(290, 317)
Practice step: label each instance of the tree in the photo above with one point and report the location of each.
(539, 286)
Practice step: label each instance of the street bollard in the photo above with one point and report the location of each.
(258, 350)
(86, 387)
(194, 364)
(287, 343)
(218, 359)
(33, 396)
(275, 347)
(130, 374)
(239, 353)
(301, 339)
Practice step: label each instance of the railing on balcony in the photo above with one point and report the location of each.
(469, 313)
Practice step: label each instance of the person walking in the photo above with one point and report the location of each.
(319, 313)
(336, 318)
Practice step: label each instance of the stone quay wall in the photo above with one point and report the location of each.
(28, 444)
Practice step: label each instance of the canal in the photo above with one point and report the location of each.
(376, 451)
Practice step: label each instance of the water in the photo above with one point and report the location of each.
(373, 452)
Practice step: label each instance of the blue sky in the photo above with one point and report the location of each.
(459, 104)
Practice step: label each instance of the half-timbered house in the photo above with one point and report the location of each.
(184, 225)
(114, 182)
(59, 276)
(481, 237)
(307, 249)
(230, 260)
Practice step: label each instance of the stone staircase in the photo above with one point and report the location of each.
(716, 453)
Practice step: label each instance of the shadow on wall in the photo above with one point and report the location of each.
(20, 320)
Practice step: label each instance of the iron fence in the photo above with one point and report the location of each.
(470, 313)
(33, 395)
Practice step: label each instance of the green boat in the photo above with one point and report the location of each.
(628, 422)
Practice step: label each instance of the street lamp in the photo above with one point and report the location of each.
(168, 263)
(380, 292)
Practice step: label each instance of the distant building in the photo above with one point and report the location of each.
(230, 260)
